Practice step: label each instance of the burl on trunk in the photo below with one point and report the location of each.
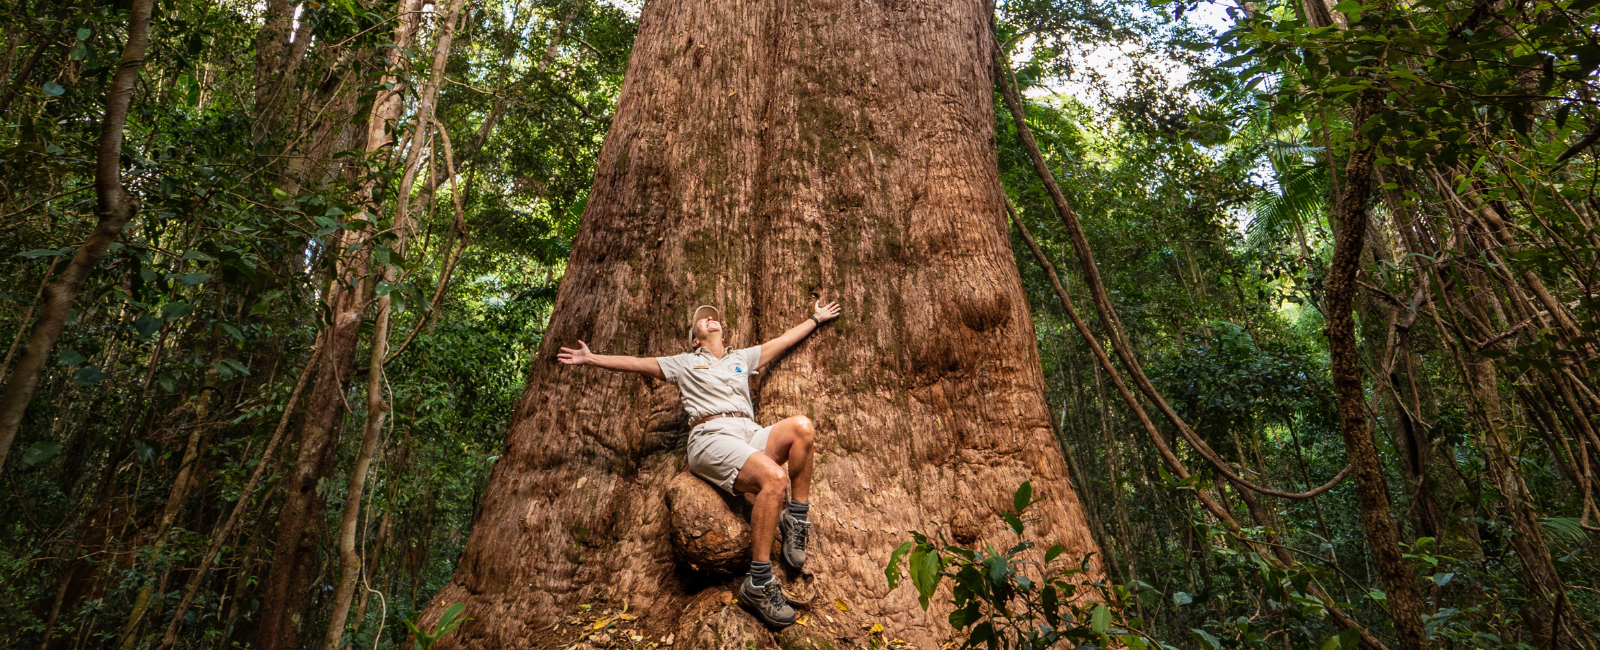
(763, 153)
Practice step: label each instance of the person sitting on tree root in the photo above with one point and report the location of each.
(728, 449)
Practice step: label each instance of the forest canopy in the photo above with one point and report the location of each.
(1312, 287)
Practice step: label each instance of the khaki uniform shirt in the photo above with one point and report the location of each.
(709, 385)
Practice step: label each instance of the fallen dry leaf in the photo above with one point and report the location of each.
(601, 623)
(840, 604)
(803, 620)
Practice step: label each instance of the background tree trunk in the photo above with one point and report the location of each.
(1404, 597)
(114, 208)
(762, 154)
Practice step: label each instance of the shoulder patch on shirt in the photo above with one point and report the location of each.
(702, 367)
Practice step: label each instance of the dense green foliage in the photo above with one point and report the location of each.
(1205, 173)
(1213, 230)
(220, 285)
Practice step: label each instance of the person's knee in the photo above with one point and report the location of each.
(805, 429)
(776, 480)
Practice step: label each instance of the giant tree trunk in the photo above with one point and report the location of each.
(764, 152)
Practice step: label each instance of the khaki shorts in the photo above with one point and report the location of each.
(719, 448)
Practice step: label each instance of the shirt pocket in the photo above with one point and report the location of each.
(721, 380)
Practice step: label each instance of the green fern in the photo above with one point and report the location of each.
(1285, 215)
(1564, 528)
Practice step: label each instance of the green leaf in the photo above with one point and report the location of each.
(79, 51)
(451, 620)
(1206, 639)
(1051, 603)
(189, 279)
(1100, 620)
(39, 452)
(1053, 553)
(197, 255)
(174, 310)
(147, 326)
(925, 574)
(1564, 527)
(53, 89)
(982, 633)
(1442, 579)
(1182, 598)
(1013, 521)
(69, 358)
(965, 616)
(84, 33)
(450, 614)
(1023, 498)
(233, 331)
(266, 302)
(88, 376)
(892, 571)
(44, 252)
(998, 567)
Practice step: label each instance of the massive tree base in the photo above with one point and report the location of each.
(765, 153)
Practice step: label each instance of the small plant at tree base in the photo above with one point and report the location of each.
(1018, 599)
(448, 623)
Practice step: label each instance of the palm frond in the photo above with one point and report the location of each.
(1564, 528)
(1300, 199)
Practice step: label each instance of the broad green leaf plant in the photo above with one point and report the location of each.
(448, 623)
(1019, 598)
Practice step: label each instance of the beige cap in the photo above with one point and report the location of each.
(696, 318)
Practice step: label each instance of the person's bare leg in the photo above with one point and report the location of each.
(793, 441)
(760, 592)
(762, 477)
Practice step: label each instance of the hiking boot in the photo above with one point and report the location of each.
(767, 603)
(794, 531)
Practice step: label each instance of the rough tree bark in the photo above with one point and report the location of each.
(765, 152)
(377, 406)
(1405, 597)
(288, 589)
(114, 208)
(170, 637)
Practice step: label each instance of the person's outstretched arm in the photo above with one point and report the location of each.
(775, 348)
(582, 356)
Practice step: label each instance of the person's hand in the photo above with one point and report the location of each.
(576, 357)
(825, 313)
